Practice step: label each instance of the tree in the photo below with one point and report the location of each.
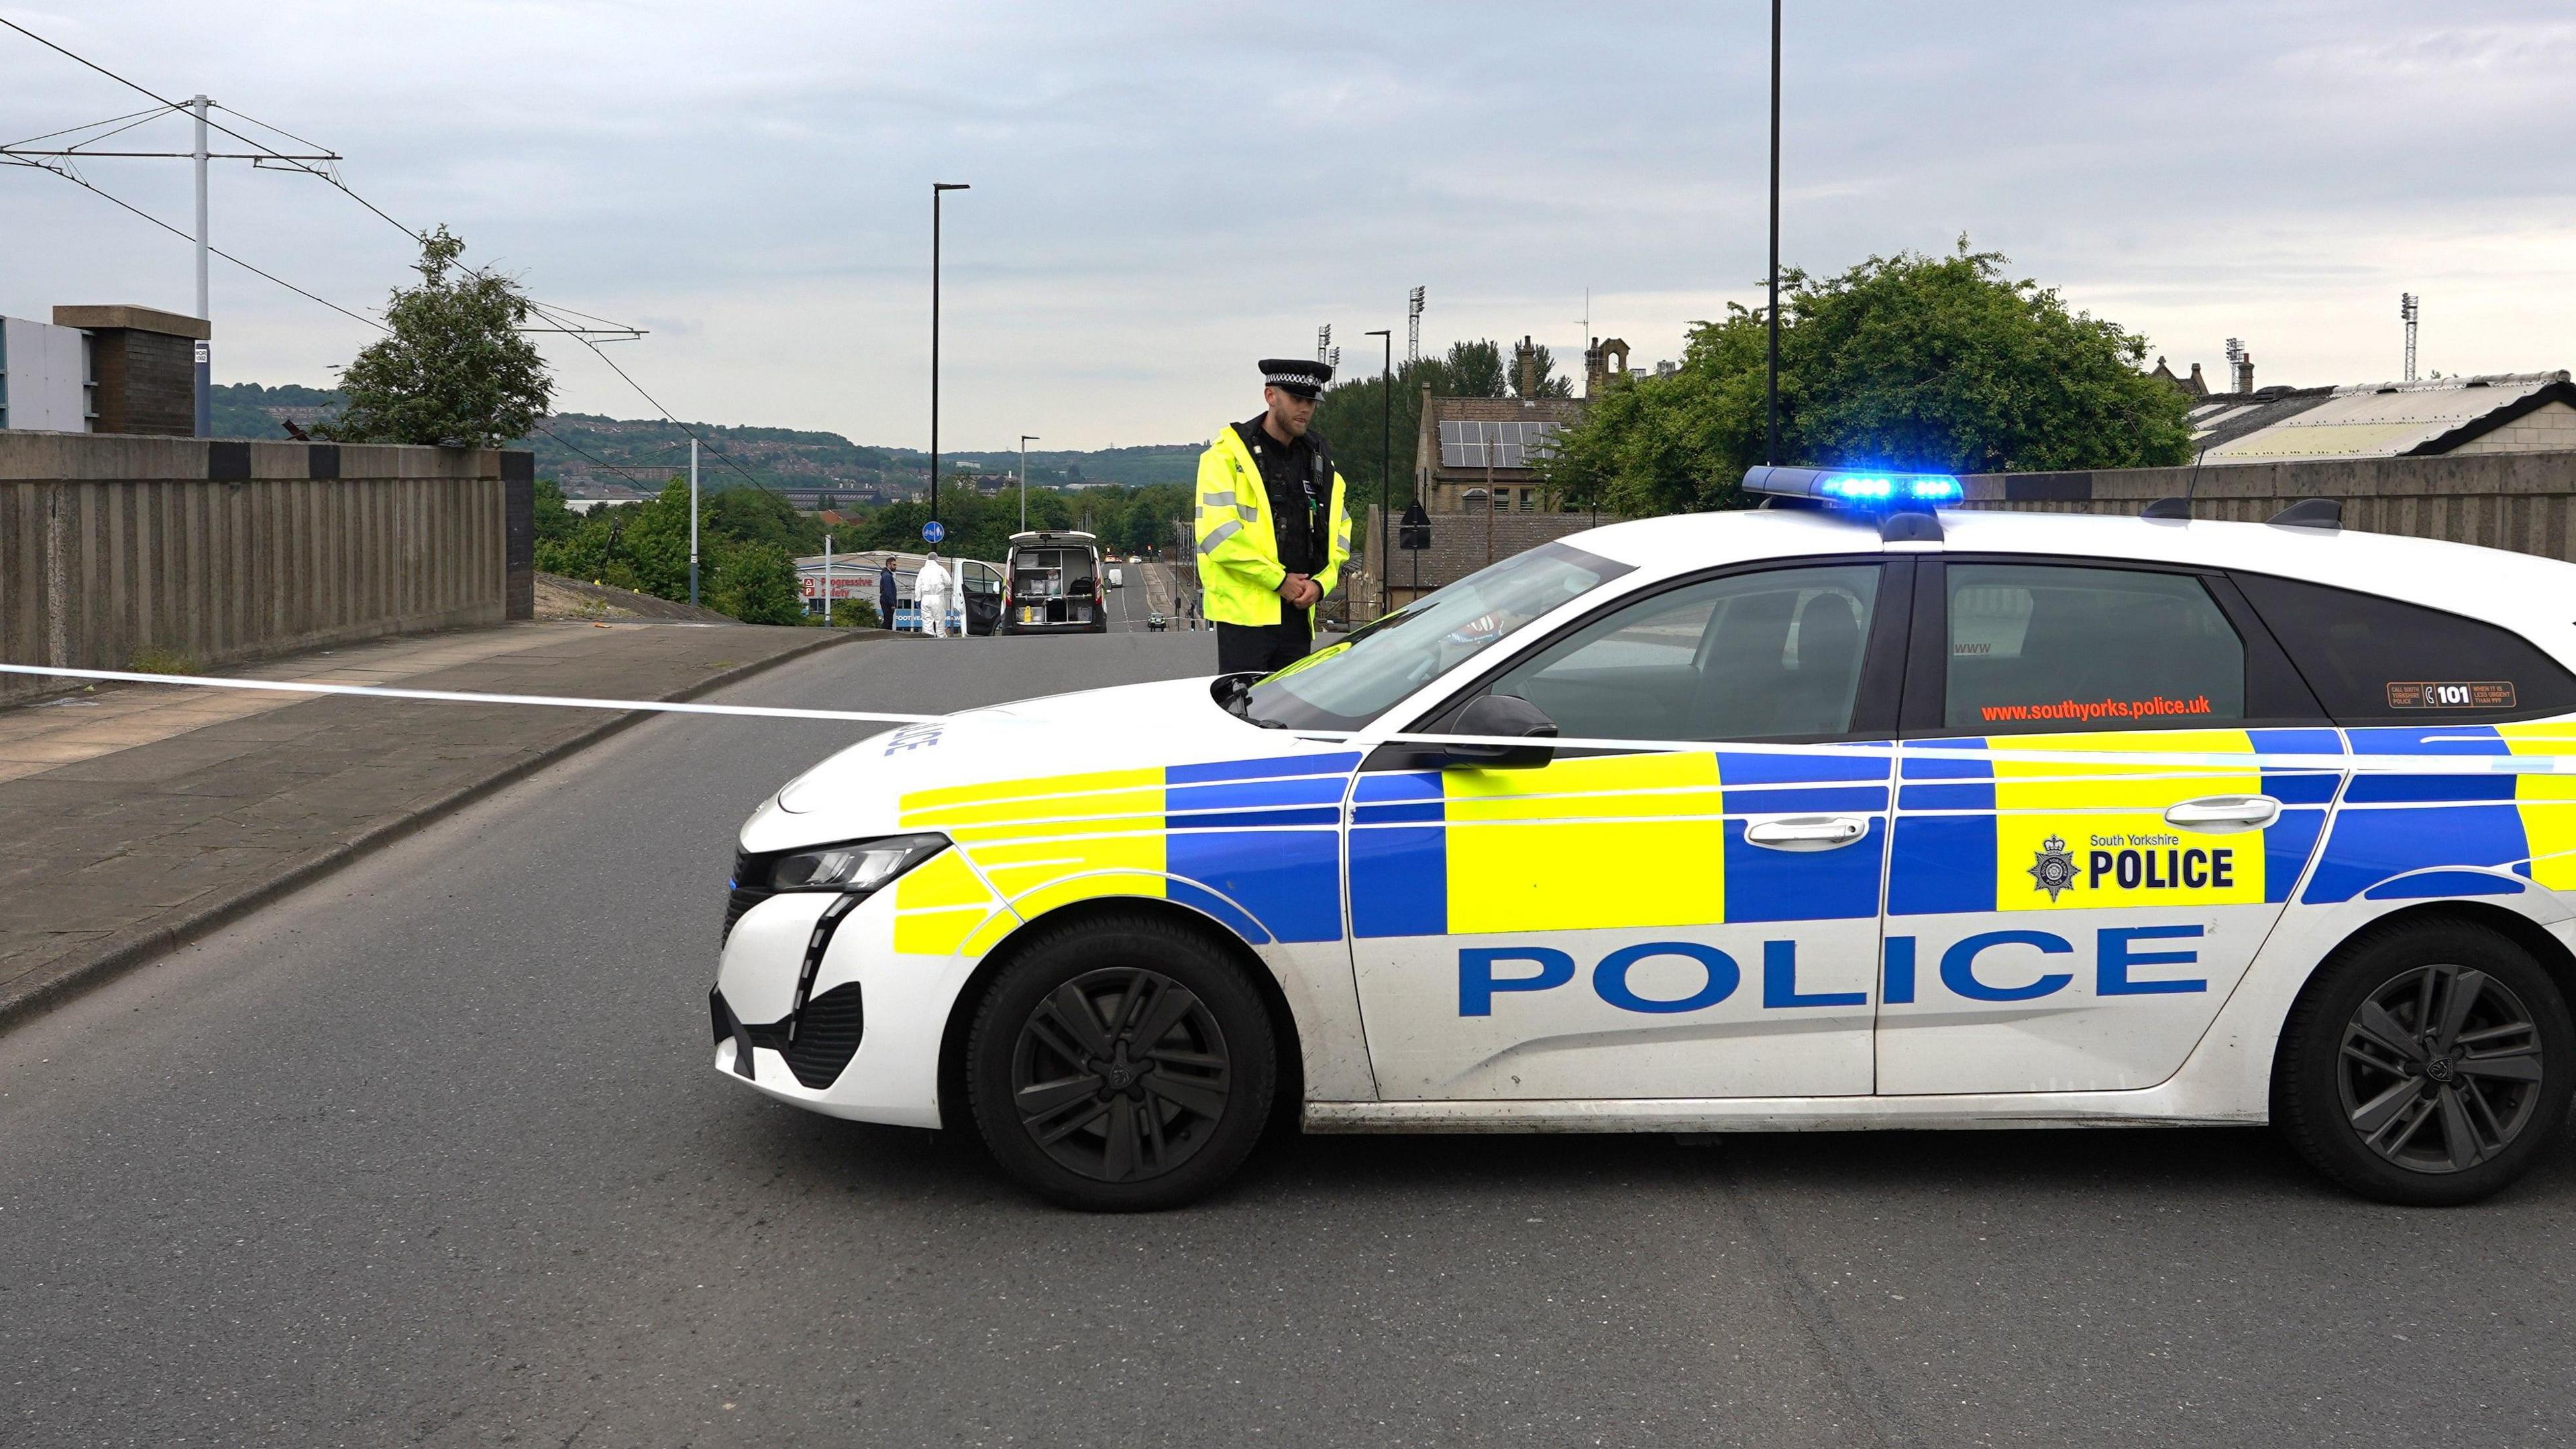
(1936, 364)
(453, 367)
(1474, 369)
(756, 583)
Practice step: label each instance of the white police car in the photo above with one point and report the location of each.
(1851, 818)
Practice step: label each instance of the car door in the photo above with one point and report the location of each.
(2059, 920)
(1674, 923)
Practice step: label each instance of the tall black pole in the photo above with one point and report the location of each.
(1771, 371)
(1385, 461)
(937, 188)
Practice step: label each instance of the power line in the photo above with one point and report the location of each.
(74, 177)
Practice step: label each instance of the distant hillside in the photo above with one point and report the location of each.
(591, 455)
(248, 410)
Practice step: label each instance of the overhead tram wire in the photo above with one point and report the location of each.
(690, 432)
(272, 154)
(578, 334)
(86, 184)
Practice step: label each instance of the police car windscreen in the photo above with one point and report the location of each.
(1382, 664)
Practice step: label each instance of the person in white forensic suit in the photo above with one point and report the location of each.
(931, 588)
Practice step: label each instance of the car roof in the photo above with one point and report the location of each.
(2536, 596)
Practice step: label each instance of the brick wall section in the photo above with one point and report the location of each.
(218, 551)
(147, 382)
(1458, 548)
(519, 533)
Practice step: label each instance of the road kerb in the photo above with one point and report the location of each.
(58, 988)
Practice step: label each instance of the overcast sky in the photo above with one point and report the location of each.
(1164, 192)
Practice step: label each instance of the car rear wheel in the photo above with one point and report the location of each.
(1121, 1065)
(2429, 1064)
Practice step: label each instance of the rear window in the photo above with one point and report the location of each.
(2377, 661)
(2040, 648)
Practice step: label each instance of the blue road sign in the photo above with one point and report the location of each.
(933, 531)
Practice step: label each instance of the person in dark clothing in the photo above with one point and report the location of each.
(885, 594)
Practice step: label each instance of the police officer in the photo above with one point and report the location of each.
(1273, 530)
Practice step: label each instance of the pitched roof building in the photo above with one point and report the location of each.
(2529, 412)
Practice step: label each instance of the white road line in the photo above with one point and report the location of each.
(380, 691)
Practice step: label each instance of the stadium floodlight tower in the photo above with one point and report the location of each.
(2406, 312)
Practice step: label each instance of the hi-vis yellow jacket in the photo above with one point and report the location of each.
(1239, 569)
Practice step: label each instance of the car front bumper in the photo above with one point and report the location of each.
(866, 1043)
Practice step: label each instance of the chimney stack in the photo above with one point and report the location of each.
(1525, 366)
(1595, 374)
(2240, 365)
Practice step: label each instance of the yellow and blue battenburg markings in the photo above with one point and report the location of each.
(1254, 843)
(2409, 837)
(1609, 841)
(1977, 834)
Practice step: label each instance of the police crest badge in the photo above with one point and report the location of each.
(2054, 870)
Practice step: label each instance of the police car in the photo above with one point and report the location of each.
(1849, 811)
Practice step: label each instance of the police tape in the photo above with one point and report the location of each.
(457, 696)
(2134, 765)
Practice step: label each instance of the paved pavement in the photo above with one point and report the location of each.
(431, 1153)
(138, 814)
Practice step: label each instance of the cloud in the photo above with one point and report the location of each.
(1163, 192)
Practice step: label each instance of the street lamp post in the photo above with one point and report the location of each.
(1385, 460)
(938, 189)
(1771, 368)
(1025, 440)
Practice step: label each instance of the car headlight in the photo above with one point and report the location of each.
(860, 865)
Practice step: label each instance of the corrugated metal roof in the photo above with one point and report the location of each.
(2372, 420)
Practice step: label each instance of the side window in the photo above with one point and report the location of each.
(1753, 656)
(2377, 661)
(2037, 648)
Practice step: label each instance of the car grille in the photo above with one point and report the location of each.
(746, 867)
(827, 1035)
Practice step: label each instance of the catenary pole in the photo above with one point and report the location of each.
(693, 520)
(827, 581)
(1771, 366)
(1385, 459)
(205, 348)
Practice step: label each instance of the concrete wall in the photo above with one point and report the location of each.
(2520, 501)
(216, 551)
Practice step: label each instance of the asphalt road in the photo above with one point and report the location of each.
(432, 1153)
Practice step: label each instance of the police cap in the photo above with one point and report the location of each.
(1296, 375)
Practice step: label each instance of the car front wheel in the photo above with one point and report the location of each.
(1121, 1065)
(2428, 1064)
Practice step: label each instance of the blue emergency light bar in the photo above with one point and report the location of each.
(1856, 488)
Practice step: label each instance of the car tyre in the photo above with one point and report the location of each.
(1123, 1064)
(2427, 1064)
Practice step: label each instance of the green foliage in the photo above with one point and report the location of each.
(853, 614)
(1475, 369)
(454, 368)
(555, 522)
(756, 583)
(1935, 364)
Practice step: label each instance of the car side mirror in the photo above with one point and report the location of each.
(1503, 714)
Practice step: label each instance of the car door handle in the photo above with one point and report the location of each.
(2225, 812)
(1806, 832)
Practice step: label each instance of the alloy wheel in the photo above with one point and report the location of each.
(1120, 1074)
(2440, 1068)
